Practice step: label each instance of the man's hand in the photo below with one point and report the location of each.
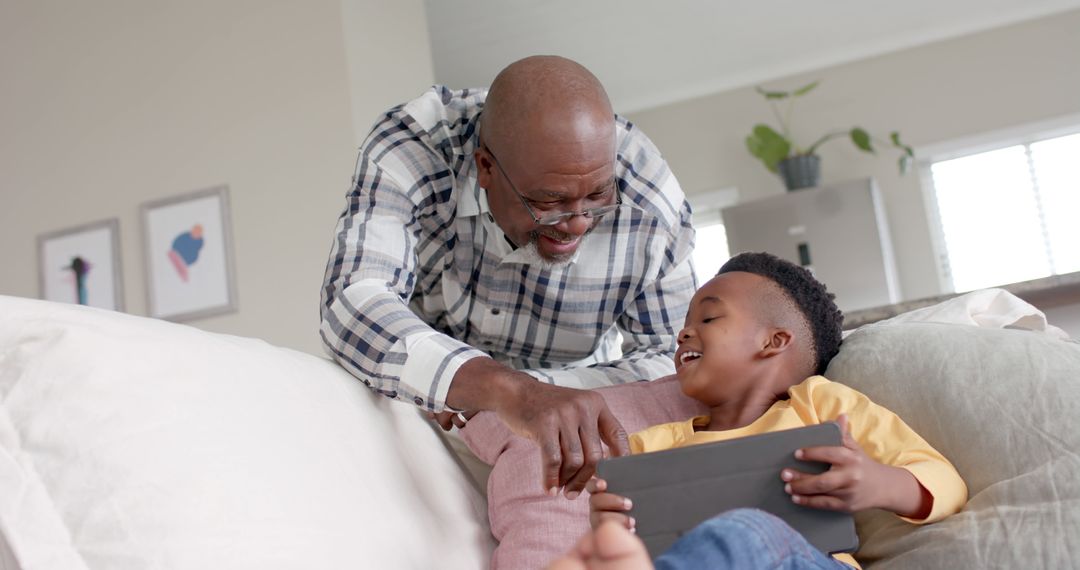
(568, 425)
(855, 482)
(604, 506)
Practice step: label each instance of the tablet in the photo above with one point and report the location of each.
(676, 489)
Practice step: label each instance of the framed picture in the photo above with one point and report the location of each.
(189, 259)
(82, 265)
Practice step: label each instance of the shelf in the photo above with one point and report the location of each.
(1044, 293)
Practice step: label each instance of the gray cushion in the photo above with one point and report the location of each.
(1004, 407)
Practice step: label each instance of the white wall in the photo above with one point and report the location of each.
(389, 57)
(109, 104)
(943, 91)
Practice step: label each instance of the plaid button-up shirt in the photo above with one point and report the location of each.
(421, 279)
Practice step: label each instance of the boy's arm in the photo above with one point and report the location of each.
(856, 481)
(904, 495)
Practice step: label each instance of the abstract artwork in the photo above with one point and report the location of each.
(188, 251)
(82, 265)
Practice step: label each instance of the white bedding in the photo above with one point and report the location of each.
(987, 308)
(132, 443)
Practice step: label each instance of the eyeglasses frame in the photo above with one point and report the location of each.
(555, 219)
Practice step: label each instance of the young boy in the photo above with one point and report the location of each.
(756, 339)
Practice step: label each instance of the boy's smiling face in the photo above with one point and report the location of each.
(722, 339)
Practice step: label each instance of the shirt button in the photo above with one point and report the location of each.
(495, 311)
(419, 401)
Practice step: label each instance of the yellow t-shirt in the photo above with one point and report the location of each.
(881, 434)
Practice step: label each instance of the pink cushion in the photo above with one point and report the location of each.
(532, 528)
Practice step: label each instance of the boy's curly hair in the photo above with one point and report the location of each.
(817, 305)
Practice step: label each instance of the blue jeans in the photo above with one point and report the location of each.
(745, 538)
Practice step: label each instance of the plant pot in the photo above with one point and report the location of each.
(800, 171)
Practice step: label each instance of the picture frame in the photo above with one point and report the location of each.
(188, 253)
(82, 265)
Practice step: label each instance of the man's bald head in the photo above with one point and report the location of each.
(542, 99)
(547, 137)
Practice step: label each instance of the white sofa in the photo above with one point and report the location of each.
(131, 443)
(127, 442)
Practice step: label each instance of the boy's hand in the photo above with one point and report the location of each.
(853, 483)
(605, 506)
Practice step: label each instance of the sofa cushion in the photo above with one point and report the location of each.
(127, 442)
(1004, 407)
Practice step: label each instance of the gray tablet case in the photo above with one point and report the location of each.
(675, 490)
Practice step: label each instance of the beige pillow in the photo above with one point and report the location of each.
(1004, 407)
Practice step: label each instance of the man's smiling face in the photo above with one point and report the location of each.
(547, 147)
(568, 176)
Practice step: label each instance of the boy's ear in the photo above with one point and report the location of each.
(777, 341)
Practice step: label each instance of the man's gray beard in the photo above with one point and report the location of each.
(531, 253)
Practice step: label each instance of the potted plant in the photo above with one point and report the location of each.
(800, 167)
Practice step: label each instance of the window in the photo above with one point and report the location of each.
(710, 245)
(710, 250)
(1009, 214)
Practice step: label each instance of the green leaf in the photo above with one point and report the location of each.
(861, 138)
(806, 89)
(753, 144)
(773, 94)
(765, 132)
(907, 150)
(767, 145)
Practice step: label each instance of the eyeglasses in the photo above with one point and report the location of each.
(556, 218)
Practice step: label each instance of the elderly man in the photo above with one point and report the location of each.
(507, 250)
